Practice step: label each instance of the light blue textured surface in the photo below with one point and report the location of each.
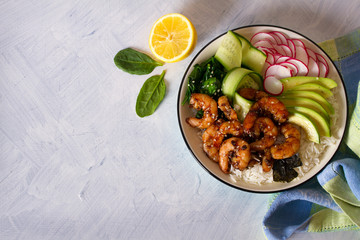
(76, 161)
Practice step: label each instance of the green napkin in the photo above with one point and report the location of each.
(345, 52)
(331, 201)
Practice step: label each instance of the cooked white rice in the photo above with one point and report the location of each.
(310, 155)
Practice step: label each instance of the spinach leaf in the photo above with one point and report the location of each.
(205, 78)
(134, 62)
(211, 86)
(199, 114)
(151, 94)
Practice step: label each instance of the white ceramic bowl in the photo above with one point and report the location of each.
(193, 139)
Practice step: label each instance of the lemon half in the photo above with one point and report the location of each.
(172, 38)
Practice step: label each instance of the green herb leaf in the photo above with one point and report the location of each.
(205, 78)
(150, 95)
(134, 62)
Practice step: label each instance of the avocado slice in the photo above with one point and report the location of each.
(323, 91)
(239, 78)
(305, 102)
(305, 123)
(312, 95)
(291, 82)
(322, 125)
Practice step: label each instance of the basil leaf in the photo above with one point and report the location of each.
(150, 95)
(134, 62)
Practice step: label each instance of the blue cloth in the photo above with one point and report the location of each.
(331, 200)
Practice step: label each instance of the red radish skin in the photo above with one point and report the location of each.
(262, 36)
(278, 71)
(291, 66)
(270, 58)
(287, 50)
(313, 68)
(323, 71)
(302, 68)
(267, 50)
(282, 59)
(277, 39)
(302, 55)
(283, 38)
(287, 57)
(298, 43)
(291, 45)
(321, 59)
(311, 53)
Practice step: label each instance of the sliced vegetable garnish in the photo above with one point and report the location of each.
(287, 53)
(273, 86)
(230, 51)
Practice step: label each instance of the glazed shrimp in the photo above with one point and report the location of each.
(233, 128)
(267, 126)
(266, 106)
(203, 102)
(252, 94)
(224, 105)
(236, 152)
(290, 146)
(267, 161)
(212, 139)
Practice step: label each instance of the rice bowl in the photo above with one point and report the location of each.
(313, 156)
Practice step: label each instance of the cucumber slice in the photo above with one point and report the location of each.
(229, 53)
(252, 57)
(241, 106)
(239, 78)
(305, 123)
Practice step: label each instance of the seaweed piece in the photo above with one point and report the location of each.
(283, 169)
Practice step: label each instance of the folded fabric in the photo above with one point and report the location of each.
(331, 201)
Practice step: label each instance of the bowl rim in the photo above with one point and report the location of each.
(179, 104)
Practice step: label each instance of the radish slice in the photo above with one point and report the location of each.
(283, 38)
(278, 71)
(311, 53)
(262, 36)
(266, 49)
(270, 58)
(302, 55)
(321, 59)
(291, 66)
(276, 37)
(314, 70)
(286, 49)
(280, 50)
(299, 43)
(302, 68)
(277, 56)
(282, 59)
(264, 43)
(323, 71)
(273, 86)
(288, 57)
(291, 45)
